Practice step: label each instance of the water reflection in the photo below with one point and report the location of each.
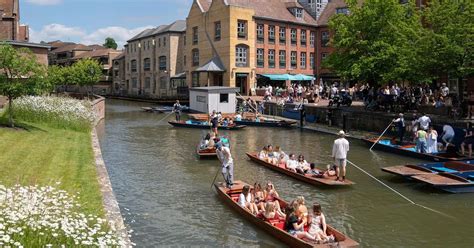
(166, 188)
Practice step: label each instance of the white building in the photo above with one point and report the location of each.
(207, 99)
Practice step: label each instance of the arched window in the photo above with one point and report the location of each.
(241, 55)
(133, 65)
(195, 53)
(146, 64)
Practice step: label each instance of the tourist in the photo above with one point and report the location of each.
(414, 126)
(225, 157)
(245, 200)
(282, 161)
(468, 141)
(400, 123)
(177, 111)
(293, 226)
(238, 117)
(303, 166)
(225, 122)
(258, 196)
(444, 90)
(314, 171)
(271, 195)
(447, 136)
(300, 207)
(205, 142)
(317, 224)
(263, 154)
(270, 212)
(291, 163)
(424, 122)
(271, 156)
(214, 121)
(340, 149)
(432, 140)
(421, 144)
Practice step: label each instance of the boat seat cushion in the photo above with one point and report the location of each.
(189, 122)
(470, 177)
(443, 169)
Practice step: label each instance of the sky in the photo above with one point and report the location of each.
(91, 21)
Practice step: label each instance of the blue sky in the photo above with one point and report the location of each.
(91, 21)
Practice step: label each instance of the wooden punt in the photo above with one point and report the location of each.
(147, 109)
(409, 150)
(203, 125)
(206, 153)
(462, 182)
(205, 117)
(275, 227)
(430, 168)
(330, 180)
(266, 123)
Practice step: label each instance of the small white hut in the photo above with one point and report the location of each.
(218, 98)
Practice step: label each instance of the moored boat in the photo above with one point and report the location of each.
(275, 227)
(203, 125)
(410, 150)
(409, 170)
(462, 182)
(266, 123)
(328, 180)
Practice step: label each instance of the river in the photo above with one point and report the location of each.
(164, 191)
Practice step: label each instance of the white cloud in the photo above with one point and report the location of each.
(45, 2)
(53, 32)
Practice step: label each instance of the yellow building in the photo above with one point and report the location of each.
(220, 47)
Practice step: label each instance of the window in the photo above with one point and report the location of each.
(146, 64)
(282, 59)
(133, 66)
(311, 38)
(260, 33)
(241, 55)
(224, 98)
(217, 31)
(184, 60)
(195, 53)
(303, 60)
(201, 99)
(323, 56)
(303, 37)
(282, 32)
(271, 34)
(162, 63)
(134, 83)
(184, 40)
(260, 60)
(344, 11)
(293, 36)
(163, 82)
(195, 35)
(324, 39)
(271, 58)
(159, 42)
(147, 83)
(242, 29)
(195, 79)
(293, 59)
(164, 41)
(311, 61)
(299, 13)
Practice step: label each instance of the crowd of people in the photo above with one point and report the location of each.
(265, 204)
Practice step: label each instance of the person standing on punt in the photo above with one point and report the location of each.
(339, 154)
(400, 123)
(177, 110)
(214, 121)
(225, 157)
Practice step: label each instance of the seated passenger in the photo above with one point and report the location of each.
(291, 163)
(238, 117)
(294, 227)
(277, 151)
(318, 226)
(258, 196)
(271, 195)
(270, 213)
(314, 171)
(271, 156)
(231, 122)
(212, 142)
(303, 166)
(245, 200)
(282, 161)
(225, 123)
(263, 155)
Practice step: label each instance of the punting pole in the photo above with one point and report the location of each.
(400, 194)
(167, 115)
(381, 136)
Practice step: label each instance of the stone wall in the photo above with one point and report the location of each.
(99, 107)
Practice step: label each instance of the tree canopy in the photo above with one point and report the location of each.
(110, 43)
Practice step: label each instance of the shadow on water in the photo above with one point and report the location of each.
(164, 189)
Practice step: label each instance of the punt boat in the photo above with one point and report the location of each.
(409, 149)
(329, 180)
(210, 152)
(461, 182)
(276, 227)
(266, 123)
(203, 125)
(205, 117)
(163, 109)
(409, 170)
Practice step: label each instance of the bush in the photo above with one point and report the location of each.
(60, 112)
(46, 217)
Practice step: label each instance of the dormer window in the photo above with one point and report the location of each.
(299, 13)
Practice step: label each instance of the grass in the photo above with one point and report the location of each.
(43, 155)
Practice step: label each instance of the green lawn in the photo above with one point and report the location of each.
(43, 155)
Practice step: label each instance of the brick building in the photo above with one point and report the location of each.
(239, 43)
(118, 75)
(154, 62)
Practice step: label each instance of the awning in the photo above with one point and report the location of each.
(284, 77)
(301, 77)
(213, 65)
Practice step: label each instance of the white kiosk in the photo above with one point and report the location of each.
(218, 98)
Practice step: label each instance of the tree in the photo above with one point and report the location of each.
(86, 72)
(20, 74)
(110, 43)
(373, 43)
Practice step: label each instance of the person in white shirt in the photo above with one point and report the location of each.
(245, 200)
(424, 122)
(225, 157)
(448, 135)
(400, 123)
(291, 163)
(444, 90)
(339, 154)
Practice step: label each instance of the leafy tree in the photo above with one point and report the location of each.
(110, 43)
(20, 74)
(374, 42)
(56, 76)
(86, 72)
